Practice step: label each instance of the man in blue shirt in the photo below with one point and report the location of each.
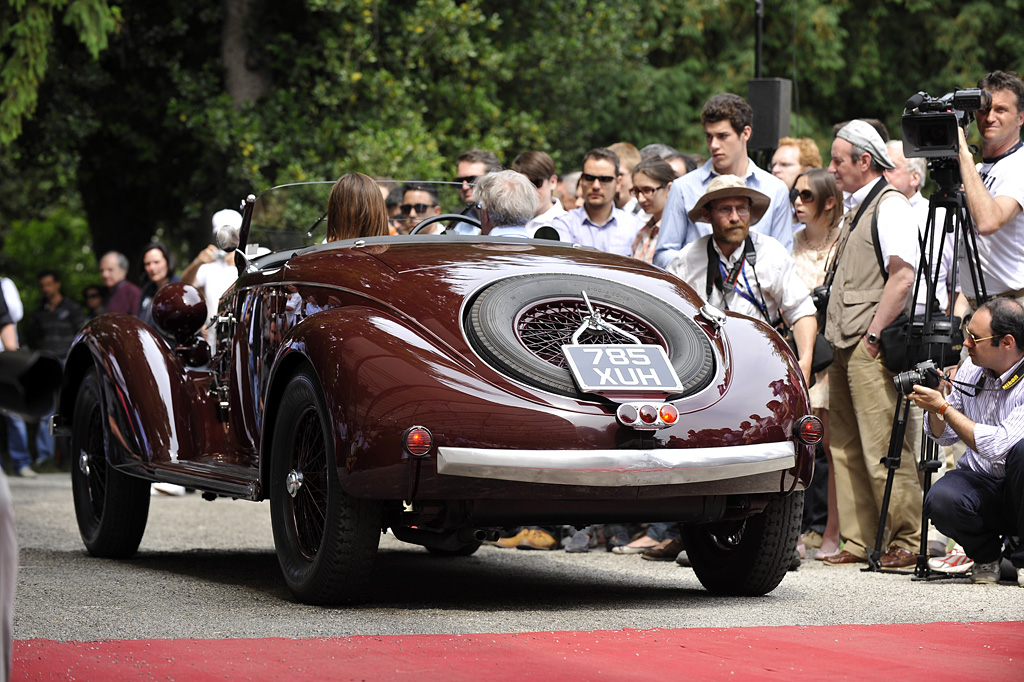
(598, 223)
(727, 121)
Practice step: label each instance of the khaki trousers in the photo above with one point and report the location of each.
(862, 402)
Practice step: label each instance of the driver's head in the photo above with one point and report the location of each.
(419, 201)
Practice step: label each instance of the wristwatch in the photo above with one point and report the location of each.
(941, 412)
(873, 338)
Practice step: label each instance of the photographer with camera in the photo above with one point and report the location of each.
(873, 277)
(981, 502)
(995, 189)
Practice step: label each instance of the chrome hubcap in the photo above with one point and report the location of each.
(83, 462)
(293, 482)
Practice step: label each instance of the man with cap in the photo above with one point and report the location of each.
(213, 270)
(737, 269)
(871, 287)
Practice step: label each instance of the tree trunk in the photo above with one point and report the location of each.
(242, 84)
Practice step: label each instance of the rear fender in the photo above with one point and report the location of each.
(149, 401)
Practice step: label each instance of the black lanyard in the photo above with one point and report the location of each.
(725, 281)
(1003, 156)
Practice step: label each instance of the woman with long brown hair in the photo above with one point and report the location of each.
(356, 209)
(818, 204)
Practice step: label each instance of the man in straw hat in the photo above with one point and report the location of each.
(871, 288)
(736, 269)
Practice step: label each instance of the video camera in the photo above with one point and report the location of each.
(929, 123)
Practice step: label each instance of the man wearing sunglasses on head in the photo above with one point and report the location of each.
(981, 502)
(727, 121)
(599, 223)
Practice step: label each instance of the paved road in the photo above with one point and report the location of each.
(208, 570)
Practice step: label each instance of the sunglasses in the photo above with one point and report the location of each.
(976, 339)
(804, 195)
(603, 179)
(467, 179)
(419, 208)
(646, 191)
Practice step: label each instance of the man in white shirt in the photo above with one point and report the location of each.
(743, 271)
(995, 190)
(213, 271)
(539, 169)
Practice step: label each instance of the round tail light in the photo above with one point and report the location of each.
(649, 414)
(668, 413)
(809, 430)
(418, 441)
(627, 414)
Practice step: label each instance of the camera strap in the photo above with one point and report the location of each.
(1020, 143)
(726, 280)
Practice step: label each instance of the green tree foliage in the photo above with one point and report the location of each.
(148, 130)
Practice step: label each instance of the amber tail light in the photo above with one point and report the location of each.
(809, 430)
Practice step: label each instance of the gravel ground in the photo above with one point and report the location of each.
(208, 570)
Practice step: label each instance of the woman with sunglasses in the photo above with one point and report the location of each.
(818, 204)
(652, 179)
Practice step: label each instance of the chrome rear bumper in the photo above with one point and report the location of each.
(617, 467)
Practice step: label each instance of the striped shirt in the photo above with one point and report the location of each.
(998, 415)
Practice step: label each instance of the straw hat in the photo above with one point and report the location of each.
(724, 186)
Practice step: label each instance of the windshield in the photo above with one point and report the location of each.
(295, 215)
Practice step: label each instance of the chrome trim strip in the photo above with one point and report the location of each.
(617, 467)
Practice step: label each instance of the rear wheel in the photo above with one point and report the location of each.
(748, 557)
(111, 507)
(326, 541)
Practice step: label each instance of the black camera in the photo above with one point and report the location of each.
(819, 296)
(925, 374)
(930, 123)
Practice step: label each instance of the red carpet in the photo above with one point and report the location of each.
(991, 652)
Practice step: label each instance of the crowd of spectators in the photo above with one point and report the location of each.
(854, 227)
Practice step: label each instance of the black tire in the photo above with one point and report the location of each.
(497, 326)
(749, 557)
(465, 550)
(325, 540)
(111, 506)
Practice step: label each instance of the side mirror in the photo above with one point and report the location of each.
(227, 238)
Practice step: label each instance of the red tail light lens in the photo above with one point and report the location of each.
(627, 414)
(418, 441)
(809, 430)
(649, 414)
(668, 413)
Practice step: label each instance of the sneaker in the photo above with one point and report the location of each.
(985, 572)
(535, 538)
(26, 472)
(1020, 577)
(579, 543)
(954, 562)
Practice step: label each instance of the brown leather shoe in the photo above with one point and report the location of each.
(845, 557)
(666, 552)
(897, 557)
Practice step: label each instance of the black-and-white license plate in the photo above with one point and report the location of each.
(622, 367)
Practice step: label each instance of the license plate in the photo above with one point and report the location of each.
(632, 368)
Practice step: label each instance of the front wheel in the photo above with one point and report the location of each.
(325, 540)
(748, 557)
(111, 507)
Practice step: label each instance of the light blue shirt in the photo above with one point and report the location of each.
(615, 236)
(677, 230)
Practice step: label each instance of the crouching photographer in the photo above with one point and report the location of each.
(981, 502)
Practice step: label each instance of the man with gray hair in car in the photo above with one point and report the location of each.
(507, 201)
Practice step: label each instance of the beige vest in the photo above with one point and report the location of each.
(858, 284)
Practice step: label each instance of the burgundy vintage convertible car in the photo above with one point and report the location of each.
(443, 387)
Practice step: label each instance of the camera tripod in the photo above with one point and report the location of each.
(930, 339)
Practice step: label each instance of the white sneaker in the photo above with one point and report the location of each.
(985, 572)
(26, 472)
(1020, 577)
(954, 562)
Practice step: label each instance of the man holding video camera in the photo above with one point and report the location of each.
(995, 190)
(982, 500)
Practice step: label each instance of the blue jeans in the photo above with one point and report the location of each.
(978, 510)
(17, 442)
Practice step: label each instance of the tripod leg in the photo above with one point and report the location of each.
(892, 463)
